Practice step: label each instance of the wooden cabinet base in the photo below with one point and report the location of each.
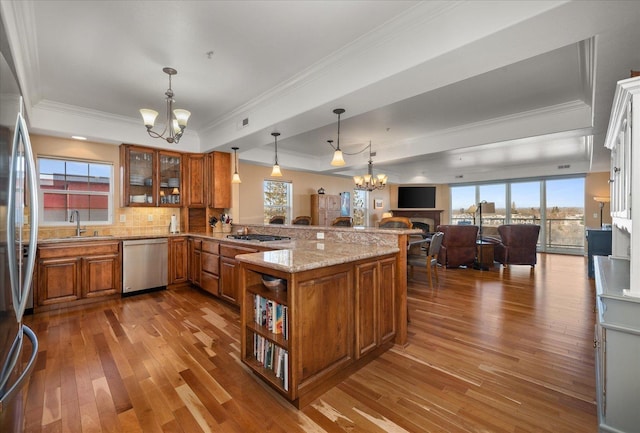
(319, 327)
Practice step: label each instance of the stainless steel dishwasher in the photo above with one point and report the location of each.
(144, 264)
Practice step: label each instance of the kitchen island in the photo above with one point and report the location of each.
(332, 310)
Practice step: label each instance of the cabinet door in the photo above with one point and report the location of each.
(178, 260)
(387, 300)
(101, 275)
(366, 308)
(195, 264)
(219, 180)
(229, 279)
(196, 184)
(171, 188)
(138, 182)
(58, 280)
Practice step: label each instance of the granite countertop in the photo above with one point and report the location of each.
(302, 255)
(290, 255)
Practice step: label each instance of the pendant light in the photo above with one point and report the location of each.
(236, 176)
(275, 172)
(338, 159)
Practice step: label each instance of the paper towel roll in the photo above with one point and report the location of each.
(173, 227)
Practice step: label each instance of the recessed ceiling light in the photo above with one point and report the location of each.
(78, 137)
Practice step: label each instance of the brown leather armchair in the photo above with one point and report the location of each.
(518, 244)
(458, 245)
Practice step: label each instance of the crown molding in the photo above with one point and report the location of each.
(22, 41)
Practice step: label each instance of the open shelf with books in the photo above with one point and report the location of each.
(266, 326)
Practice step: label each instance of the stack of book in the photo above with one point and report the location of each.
(271, 315)
(272, 357)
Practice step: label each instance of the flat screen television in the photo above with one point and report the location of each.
(416, 197)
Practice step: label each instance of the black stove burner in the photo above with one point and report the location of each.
(257, 237)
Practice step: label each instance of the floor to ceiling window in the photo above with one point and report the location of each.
(556, 204)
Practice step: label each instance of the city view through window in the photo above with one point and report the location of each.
(557, 205)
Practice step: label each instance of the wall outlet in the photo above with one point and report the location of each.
(320, 235)
(320, 246)
(150, 217)
(123, 218)
(595, 215)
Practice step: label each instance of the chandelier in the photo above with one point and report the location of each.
(366, 182)
(369, 182)
(176, 119)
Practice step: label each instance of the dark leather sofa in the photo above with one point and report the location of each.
(517, 244)
(458, 245)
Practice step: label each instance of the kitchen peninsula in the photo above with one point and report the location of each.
(335, 306)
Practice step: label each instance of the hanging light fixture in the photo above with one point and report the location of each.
(176, 119)
(369, 182)
(275, 172)
(338, 159)
(236, 176)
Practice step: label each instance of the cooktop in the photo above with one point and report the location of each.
(258, 237)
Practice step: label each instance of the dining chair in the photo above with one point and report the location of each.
(277, 219)
(342, 221)
(430, 259)
(302, 220)
(395, 223)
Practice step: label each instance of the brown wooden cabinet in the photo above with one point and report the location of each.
(219, 180)
(210, 266)
(229, 272)
(195, 264)
(72, 273)
(375, 304)
(324, 209)
(150, 177)
(178, 260)
(195, 186)
(336, 319)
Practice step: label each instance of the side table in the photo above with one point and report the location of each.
(484, 255)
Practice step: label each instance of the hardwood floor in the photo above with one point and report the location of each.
(493, 351)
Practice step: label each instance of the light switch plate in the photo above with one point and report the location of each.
(150, 217)
(123, 218)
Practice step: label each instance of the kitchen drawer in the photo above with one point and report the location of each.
(210, 263)
(209, 282)
(211, 247)
(232, 251)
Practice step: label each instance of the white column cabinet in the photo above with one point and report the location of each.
(617, 331)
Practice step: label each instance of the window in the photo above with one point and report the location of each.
(277, 200)
(66, 185)
(556, 204)
(360, 208)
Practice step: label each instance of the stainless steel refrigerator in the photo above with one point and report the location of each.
(18, 239)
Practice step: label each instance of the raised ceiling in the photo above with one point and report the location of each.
(445, 91)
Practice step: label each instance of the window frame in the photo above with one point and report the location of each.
(289, 202)
(108, 194)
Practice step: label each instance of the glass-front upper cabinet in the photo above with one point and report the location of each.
(170, 176)
(150, 177)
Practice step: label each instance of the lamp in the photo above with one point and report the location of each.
(275, 172)
(488, 207)
(602, 200)
(236, 176)
(366, 182)
(175, 191)
(338, 159)
(176, 119)
(369, 182)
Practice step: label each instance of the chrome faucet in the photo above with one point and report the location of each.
(77, 221)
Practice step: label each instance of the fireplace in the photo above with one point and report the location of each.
(432, 214)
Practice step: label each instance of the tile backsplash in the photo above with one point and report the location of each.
(137, 221)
